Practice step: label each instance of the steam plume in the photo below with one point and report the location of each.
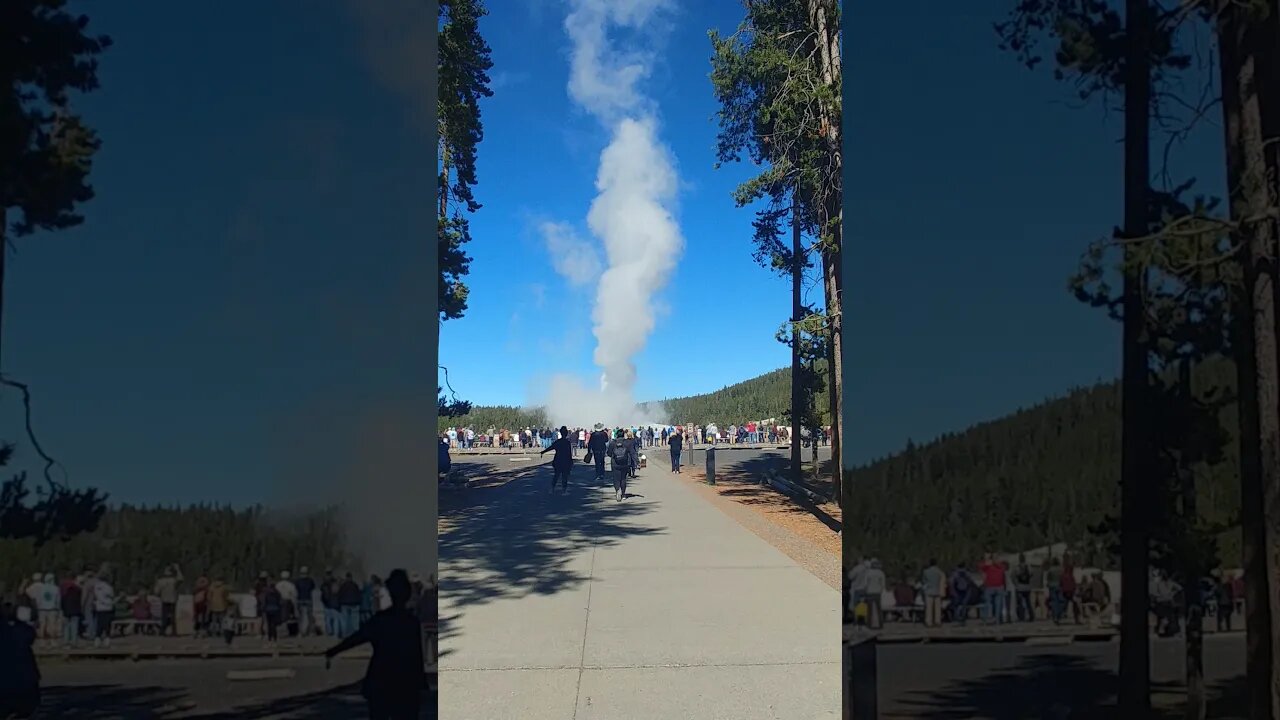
(631, 215)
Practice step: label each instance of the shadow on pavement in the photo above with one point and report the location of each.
(743, 477)
(518, 539)
(99, 702)
(1059, 687)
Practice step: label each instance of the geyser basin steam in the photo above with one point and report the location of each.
(632, 212)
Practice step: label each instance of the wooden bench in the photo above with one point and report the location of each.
(130, 626)
(248, 627)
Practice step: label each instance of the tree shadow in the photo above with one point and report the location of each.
(340, 702)
(99, 702)
(517, 538)
(1062, 687)
(743, 478)
(1039, 686)
(115, 702)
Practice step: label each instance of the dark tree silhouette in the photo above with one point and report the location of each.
(46, 153)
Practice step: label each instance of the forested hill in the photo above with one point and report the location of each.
(765, 396)
(1041, 475)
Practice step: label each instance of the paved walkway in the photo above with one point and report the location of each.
(581, 608)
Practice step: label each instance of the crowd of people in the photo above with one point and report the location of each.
(394, 682)
(529, 438)
(998, 591)
(85, 606)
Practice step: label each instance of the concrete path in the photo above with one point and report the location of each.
(578, 607)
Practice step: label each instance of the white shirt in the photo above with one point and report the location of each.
(104, 596)
(287, 590)
(384, 598)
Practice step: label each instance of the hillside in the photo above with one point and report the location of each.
(1040, 475)
(765, 396)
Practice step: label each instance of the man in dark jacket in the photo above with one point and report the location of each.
(562, 462)
(20, 679)
(596, 445)
(396, 677)
(676, 441)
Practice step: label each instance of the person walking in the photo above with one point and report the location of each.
(676, 443)
(597, 448)
(395, 678)
(562, 462)
(620, 451)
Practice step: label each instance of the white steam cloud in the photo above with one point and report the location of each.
(573, 257)
(631, 215)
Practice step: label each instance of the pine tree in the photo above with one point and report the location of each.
(463, 67)
(777, 79)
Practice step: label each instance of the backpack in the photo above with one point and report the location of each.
(620, 452)
(961, 583)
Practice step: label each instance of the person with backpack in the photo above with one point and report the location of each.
(620, 451)
(562, 462)
(633, 452)
(961, 584)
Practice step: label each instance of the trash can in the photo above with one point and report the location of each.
(861, 691)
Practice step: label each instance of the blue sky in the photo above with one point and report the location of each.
(538, 162)
(242, 312)
(972, 187)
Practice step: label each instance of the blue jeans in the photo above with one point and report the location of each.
(333, 622)
(350, 619)
(90, 625)
(675, 459)
(959, 610)
(1056, 604)
(306, 618)
(70, 629)
(993, 601)
(599, 458)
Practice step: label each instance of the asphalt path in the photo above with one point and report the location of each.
(578, 606)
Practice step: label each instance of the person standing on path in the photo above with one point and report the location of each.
(562, 462)
(167, 589)
(993, 591)
(394, 682)
(597, 448)
(676, 442)
(934, 581)
(620, 451)
(874, 594)
(1022, 588)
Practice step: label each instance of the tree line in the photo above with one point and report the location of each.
(232, 544)
(759, 398)
(1043, 475)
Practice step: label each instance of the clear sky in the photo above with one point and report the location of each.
(973, 186)
(538, 162)
(245, 311)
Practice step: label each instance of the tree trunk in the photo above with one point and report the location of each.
(797, 314)
(4, 255)
(1135, 673)
(1255, 332)
(835, 407)
(1192, 572)
(828, 45)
